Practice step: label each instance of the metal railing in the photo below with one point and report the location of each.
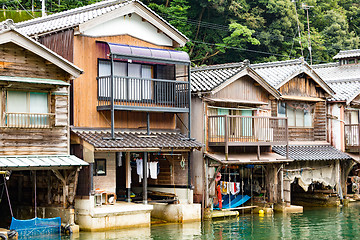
(247, 130)
(27, 120)
(352, 133)
(143, 93)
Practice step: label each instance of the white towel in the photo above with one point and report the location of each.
(153, 169)
(139, 168)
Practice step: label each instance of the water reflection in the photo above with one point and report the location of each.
(315, 223)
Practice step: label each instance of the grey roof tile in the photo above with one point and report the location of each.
(312, 153)
(207, 78)
(136, 139)
(74, 17)
(344, 79)
(277, 72)
(347, 54)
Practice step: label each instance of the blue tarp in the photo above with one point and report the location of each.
(235, 201)
(36, 226)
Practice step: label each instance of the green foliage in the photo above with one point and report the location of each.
(221, 31)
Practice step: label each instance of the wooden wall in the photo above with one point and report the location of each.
(16, 61)
(32, 141)
(19, 62)
(302, 86)
(86, 54)
(244, 88)
(61, 43)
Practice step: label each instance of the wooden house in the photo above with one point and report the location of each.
(34, 129)
(231, 115)
(127, 109)
(315, 174)
(343, 77)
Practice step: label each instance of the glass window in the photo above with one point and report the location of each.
(100, 167)
(27, 109)
(297, 117)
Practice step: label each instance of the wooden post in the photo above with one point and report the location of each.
(48, 187)
(358, 137)
(282, 182)
(63, 181)
(128, 176)
(226, 137)
(287, 138)
(145, 171)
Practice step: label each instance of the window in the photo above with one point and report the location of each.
(298, 114)
(27, 109)
(100, 167)
(128, 82)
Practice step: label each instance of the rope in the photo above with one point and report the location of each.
(7, 193)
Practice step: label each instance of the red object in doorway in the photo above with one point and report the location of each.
(219, 196)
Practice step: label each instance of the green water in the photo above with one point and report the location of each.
(316, 223)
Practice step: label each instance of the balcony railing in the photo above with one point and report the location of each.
(230, 130)
(143, 94)
(27, 120)
(352, 133)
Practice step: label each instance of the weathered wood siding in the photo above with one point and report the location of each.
(19, 62)
(61, 43)
(86, 54)
(302, 86)
(244, 88)
(32, 141)
(306, 87)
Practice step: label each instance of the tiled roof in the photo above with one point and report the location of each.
(347, 54)
(136, 139)
(70, 18)
(277, 72)
(333, 71)
(344, 80)
(77, 16)
(315, 153)
(207, 78)
(346, 90)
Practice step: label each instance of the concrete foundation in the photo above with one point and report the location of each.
(288, 209)
(178, 213)
(119, 215)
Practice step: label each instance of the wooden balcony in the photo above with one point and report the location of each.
(230, 130)
(27, 120)
(141, 94)
(352, 133)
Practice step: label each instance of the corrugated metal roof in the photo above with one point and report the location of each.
(312, 153)
(136, 139)
(29, 162)
(277, 72)
(77, 16)
(347, 54)
(148, 53)
(207, 78)
(33, 80)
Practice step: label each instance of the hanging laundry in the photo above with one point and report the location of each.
(153, 170)
(139, 168)
(224, 187)
(237, 187)
(232, 188)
